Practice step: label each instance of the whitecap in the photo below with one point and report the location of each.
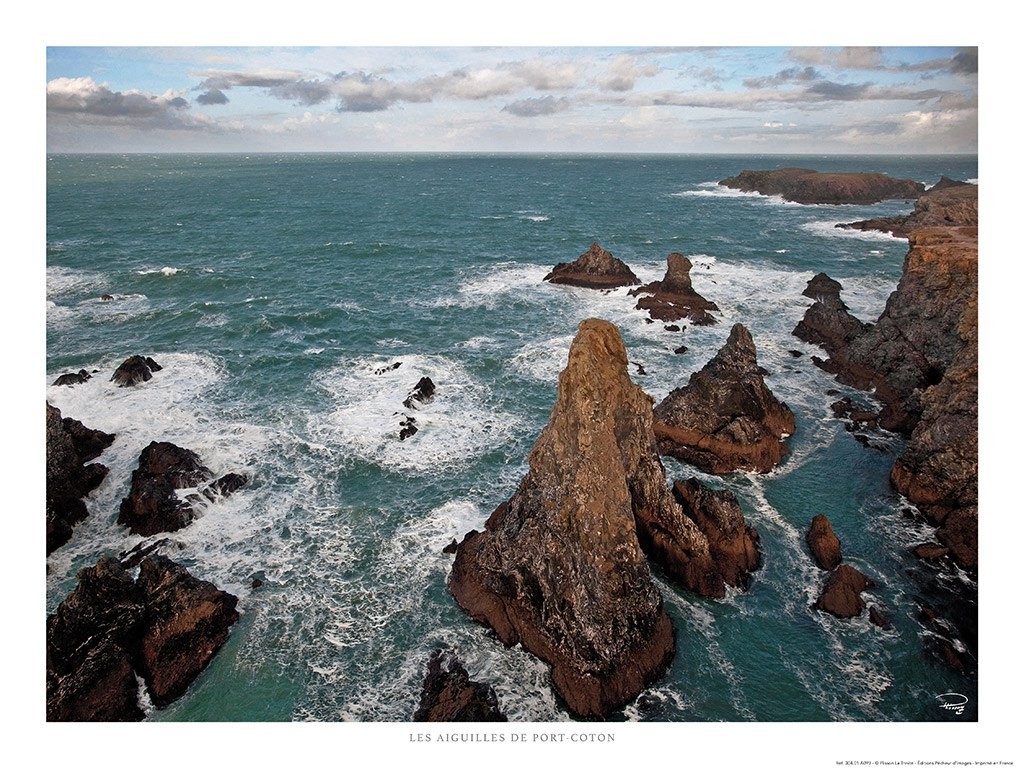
(166, 271)
(830, 230)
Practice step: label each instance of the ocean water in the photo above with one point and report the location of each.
(272, 288)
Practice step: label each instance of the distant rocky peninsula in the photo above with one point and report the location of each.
(801, 185)
(949, 203)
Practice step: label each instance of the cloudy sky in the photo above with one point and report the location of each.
(539, 99)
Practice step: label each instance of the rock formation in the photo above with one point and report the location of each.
(153, 505)
(596, 268)
(800, 185)
(823, 543)
(423, 392)
(673, 297)
(841, 595)
(558, 567)
(165, 628)
(69, 444)
(725, 418)
(134, 370)
(69, 379)
(948, 204)
(827, 322)
(449, 696)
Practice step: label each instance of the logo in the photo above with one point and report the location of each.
(954, 702)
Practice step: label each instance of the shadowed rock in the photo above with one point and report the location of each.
(823, 543)
(449, 696)
(596, 268)
(673, 297)
(68, 379)
(841, 595)
(725, 418)
(422, 393)
(558, 567)
(801, 185)
(827, 322)
(134, 370)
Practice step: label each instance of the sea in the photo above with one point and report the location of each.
(279, 291)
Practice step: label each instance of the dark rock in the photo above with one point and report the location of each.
(641, 371)
(186, 623)
(827, 322)
(673, 297)
(67, 379)
(948, 204)
(596, 268)
(387, 368)
(559, 568)
(422, 393)
(224, 486)
(256, 583)
(800, 185)
(879, 619)
(841, 595)
(795, 353)
(674, 328)
(450, 549)
(106, 297)
(823, 543)
(725, 418)
(930, 551)
(449, 696)
(152, 506)
(681, 350)
(69, 445)
(134, 370)
(409, 428)
(138, 553)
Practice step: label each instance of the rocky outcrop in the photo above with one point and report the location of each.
(69, 444)
(70, 379)
(827, 322)
(422, 393)
(186, 623)
(134, 370)
(800, 185)
(725, 418)
(558, 567)
(841, 595)
(596, 268)
(948, 204)
(735, 547)
(153, 504)
(165, 628)
(449, 696)
(673, 297)
(823, 543)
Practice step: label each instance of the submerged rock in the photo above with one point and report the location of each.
(69, 444)
(449, 696)
(134, 370)
(68, 379)
(596, 268)
(558, 567)
(673, 297)
(801, 185)
(823, 543)
(725, 418)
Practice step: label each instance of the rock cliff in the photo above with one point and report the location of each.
(449, 696)
(800, 185)
(596, 268)
(725, 418)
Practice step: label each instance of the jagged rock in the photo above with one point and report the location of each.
(879, 619)
(134, 370)
(409, 428)
(948, 204)
(422, 393)
(152, 506)
(930, 551)
(801, 185)
(596, 268)
(69, 444)
(681, 350)
(841, 595)
(734, 545)
(449, 696)
(823, 543)
(558, 567)
(725, 418)
(827, 322)
(673, 297)
(186, 623)
(388, 368)
(68, 379)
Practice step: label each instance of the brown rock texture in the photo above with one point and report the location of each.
(69, 444)
(165, 627)
(449, 696)
(734, 546)
(823, 543)
(948, 204)
(673, 297)
(134, 370)
(186, 623)
(827, 322)
(596, 268)
(800, 185)
(841, 595)
(725, 418)
(558, 567)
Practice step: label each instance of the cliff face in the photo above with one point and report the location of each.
(948, 204)
(800, 185)
(596, 268)
(673, 297)
(725, 418)
(559, 567)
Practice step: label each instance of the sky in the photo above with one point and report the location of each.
(382, 98)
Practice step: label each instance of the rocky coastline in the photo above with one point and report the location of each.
(949, 203)
(809, 187)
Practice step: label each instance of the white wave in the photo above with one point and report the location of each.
(502, 282)
(166, 271)
(216, 320)
(537, 218)
(477, 342)
(64, 280)
(543, 360)
(457, 426)
(829, 229)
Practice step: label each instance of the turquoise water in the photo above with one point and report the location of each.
(271, 288)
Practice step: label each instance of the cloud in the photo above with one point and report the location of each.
(85, 97)
(623, 72)
(965, 62)
(225, 79)
(786, 76)
(212, 96)
(535, 107)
